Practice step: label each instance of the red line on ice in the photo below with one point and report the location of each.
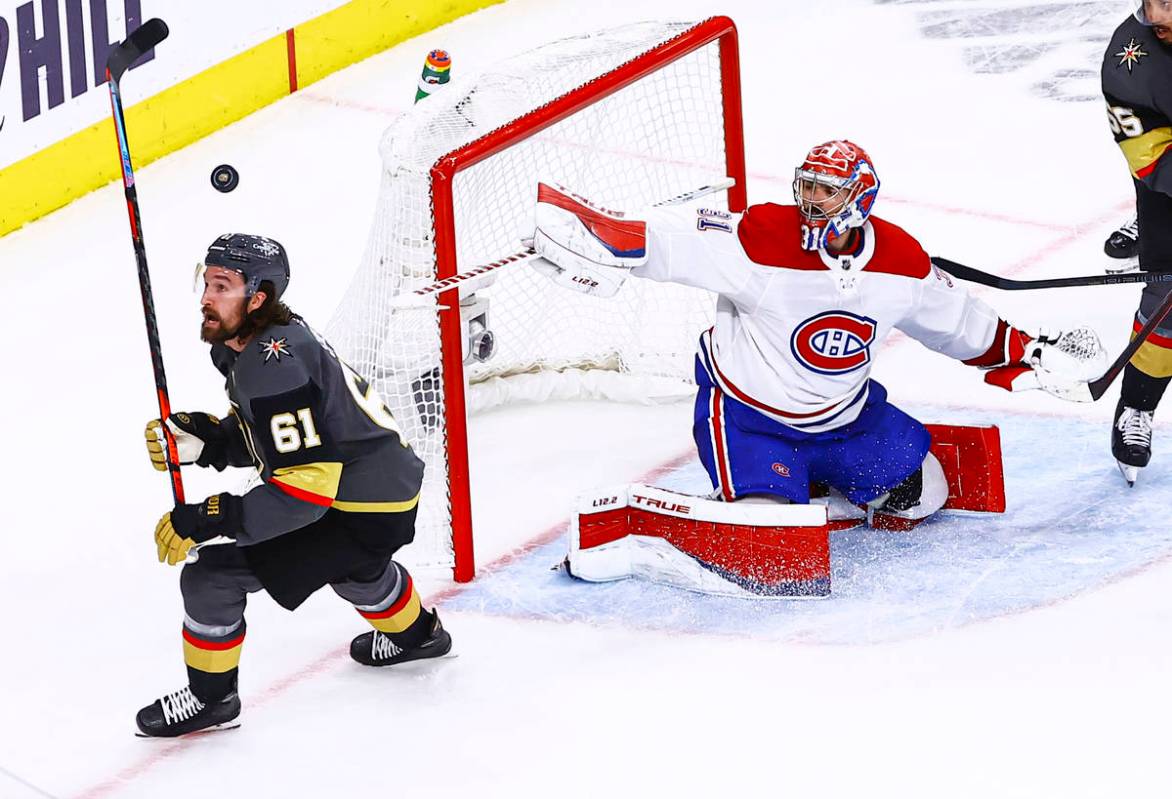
(335, 657)
(1069, 237)
(161, 750)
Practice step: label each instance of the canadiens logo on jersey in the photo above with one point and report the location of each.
(834, 342)
(274, 348)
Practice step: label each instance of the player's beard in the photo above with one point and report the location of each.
(219, 332)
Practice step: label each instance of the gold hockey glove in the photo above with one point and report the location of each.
(199, 438)
(187, 525)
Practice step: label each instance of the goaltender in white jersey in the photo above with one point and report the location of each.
(807, 294)
(796, 330)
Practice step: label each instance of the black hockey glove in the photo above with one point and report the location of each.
(187, 525)
(200, 438)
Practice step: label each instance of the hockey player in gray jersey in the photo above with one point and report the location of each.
(337, 496)
(1137, 84)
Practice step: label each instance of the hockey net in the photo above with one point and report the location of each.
(627, 117)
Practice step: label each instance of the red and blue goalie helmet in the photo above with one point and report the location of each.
(835, 189)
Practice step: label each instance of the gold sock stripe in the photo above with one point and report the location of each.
(1154, 356)
(399, 616)
(209, 656)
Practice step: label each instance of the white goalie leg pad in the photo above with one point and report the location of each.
(584, 247)
(731, 549)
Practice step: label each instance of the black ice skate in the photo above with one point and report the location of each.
(181, 713)
(377, 649)
(1131, 440)
(1124, 242)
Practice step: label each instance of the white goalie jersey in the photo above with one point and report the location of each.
(796, 331)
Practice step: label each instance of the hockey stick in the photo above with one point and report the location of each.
(121, 57)
(474, 278)
(1099, 386)
(1006, 284)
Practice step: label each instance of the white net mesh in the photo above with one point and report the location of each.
(651, 140)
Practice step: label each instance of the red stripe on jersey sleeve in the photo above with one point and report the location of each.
(302, 494)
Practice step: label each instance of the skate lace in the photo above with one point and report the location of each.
(1131, 229)
(382, 647)
(1136, 427)
(180, 706)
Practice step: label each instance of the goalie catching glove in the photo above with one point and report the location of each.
(199, 437)
(583, 247)
(1060, 363)
(187, 525)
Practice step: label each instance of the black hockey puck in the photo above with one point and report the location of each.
(225, 178)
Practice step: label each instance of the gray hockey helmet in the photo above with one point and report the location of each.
(256, 258)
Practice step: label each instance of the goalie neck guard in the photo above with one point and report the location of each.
(256, 258)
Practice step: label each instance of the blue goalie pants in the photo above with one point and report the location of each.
(747, 453)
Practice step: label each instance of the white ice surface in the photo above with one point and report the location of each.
(1021, 656)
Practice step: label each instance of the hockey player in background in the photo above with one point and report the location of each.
(807, 294)
(1137, 84)
(337, 495)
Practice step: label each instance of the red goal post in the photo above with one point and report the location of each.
(442, 174)
(447, 171)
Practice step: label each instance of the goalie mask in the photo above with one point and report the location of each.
(256, 258)
(835, 189)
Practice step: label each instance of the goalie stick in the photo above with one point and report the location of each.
(1097, 387)
(144, 38)
(477, 276)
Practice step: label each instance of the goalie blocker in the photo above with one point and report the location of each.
(582, 247)
(759, 550)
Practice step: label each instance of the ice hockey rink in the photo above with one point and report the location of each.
(1025, 655)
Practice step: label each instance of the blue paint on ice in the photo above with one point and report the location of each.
(1072, 524)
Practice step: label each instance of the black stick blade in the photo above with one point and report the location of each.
(143, 39)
